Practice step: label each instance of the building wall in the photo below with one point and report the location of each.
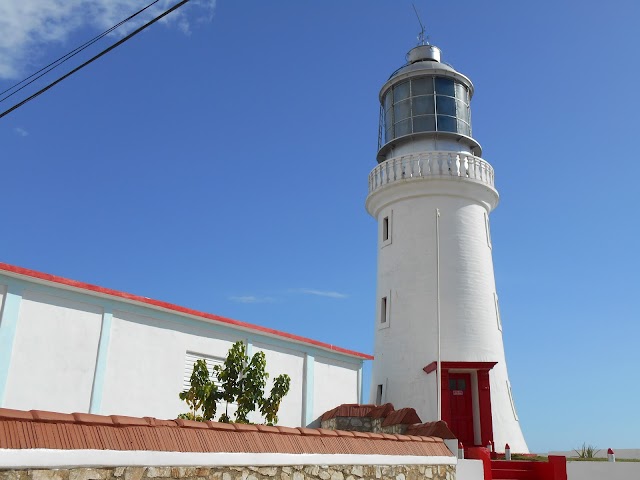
(291, 362)
(74, 351)
(146, 359)
(54, 353)
(333, 379)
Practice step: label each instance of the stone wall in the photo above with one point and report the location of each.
(362, 424)
(297, 472)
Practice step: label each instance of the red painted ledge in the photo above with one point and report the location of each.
(176, 308)
(459, 365)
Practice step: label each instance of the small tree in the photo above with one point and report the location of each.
(242, 381)
(203, 395)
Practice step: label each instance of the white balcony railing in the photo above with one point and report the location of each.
(431, 165)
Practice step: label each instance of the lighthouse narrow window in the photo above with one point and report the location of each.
(379, 395)
(383, 310)
(386, 225)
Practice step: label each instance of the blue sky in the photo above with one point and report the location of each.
(219, 161)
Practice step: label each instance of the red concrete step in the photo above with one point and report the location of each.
(514, 474)
(513, 470)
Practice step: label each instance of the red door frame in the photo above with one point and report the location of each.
(484, 393)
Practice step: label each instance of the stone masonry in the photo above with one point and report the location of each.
(296, 472)
(362, 424)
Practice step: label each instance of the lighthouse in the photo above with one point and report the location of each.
(438, 333)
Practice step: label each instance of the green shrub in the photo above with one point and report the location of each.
(242, 381)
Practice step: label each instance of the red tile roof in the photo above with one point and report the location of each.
(358, 410)
(405, 416)
(12, 269)
(78, 431)
(432, 429)
(381, 411)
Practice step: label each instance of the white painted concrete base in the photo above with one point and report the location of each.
(452, 445)
(600, 470)
(469, 470)
(45, 458)
(602, 453)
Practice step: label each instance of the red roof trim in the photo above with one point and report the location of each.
(176, 308)
(459, 365)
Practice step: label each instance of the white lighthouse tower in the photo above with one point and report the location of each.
(438, 335)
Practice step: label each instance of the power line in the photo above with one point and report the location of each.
(56, 63)
(92, 59)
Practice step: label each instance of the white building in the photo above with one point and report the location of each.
(66, 346)
(431, 195)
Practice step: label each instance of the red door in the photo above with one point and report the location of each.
(461, 407)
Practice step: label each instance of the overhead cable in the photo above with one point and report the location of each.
(92, 59)
(56, 63)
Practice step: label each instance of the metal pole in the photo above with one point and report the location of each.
(438, 366)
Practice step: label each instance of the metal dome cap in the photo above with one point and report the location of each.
(424, 52)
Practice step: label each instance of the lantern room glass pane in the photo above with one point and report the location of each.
(424, 123)
(423, 105)
(446, 105)
(388, 100)
(388, 117)
(401, 91)
(447, 124)
(463, 111)
(422, 86)
(403, 127)
(461, 93)
(445, 86)
(388, 134)
(402, 110)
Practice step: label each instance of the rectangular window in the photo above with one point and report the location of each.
(385, 229)
(379, 395)
(383, 310)
(190, 360)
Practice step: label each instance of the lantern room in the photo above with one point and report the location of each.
(426, 99)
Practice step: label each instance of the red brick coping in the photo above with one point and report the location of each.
(80, 431)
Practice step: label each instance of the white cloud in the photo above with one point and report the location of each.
(252, 299)
(21, 131)
(28, 26)
(322, 293)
